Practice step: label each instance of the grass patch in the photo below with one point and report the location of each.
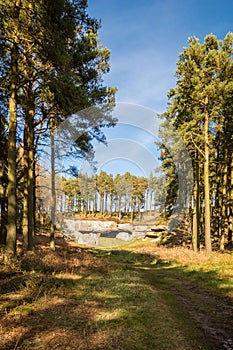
(110, 242)
(121, 298)
(214, 271)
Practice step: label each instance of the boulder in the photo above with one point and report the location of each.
(88, 238)
(157, 232)
(124, 236)
(69, 225)
(156, 240)
(140, 228)
(136, 234)
(158, 228)
(125, 227)
(153, 234)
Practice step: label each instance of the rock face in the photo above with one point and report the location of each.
(88, 225)
(91, 225)
(88, 231)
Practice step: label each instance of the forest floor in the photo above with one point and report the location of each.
(139, 296)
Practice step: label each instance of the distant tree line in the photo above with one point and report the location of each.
(104, 194)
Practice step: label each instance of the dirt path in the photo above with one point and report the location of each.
(204, 310)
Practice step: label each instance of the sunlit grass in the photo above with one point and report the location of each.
(112, 299)
(214, 270)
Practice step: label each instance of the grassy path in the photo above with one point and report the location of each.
(201, 314)
(76, 299)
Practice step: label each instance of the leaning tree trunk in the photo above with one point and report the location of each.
(11, 189)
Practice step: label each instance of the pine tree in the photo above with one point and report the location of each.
(54, 68)
(196, 110)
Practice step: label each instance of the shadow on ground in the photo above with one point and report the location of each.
(110, 299)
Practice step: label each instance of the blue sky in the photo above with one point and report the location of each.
(145, 38)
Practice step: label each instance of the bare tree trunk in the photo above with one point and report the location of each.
(224, 217)
(25, 189)
(110, 204)
(151, 196)
(196, 208)
(11, 190)
(101, 203)
(53, 190)
(3, 202)
(31, 206)
(28, 201)
(230, 230)
(132, 214)
(106, 203)
(146, 200)
(208, 245)
(139, 210)
(119, 208)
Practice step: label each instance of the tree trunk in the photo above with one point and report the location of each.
(25, 189)
(230, 230)
(31, 206)
(101, 203)
(12, 202)
(218, 196)
(53, 189)
(35, 179)
(132, 215)
(224, 217)
(208, 245)
(110, 204)
(139, 210)
(146, 201)
(106, 203)
(3, 202)
(196, 208)
(119, 208)
(151, 197)
(28, 207)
